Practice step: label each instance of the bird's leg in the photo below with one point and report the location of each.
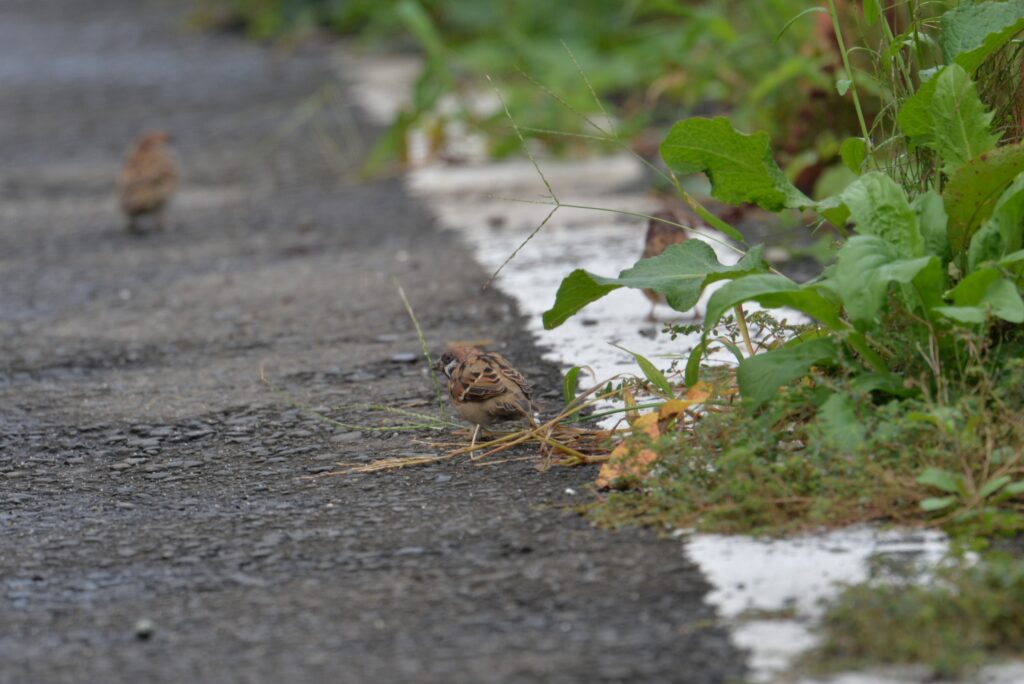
(651, 318)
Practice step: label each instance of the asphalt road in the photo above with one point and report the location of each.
(155, 522)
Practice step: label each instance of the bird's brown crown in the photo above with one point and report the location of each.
(153, 139)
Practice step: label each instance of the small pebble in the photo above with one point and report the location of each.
(144, 629)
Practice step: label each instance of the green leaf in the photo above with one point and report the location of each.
(915, 116)
(986, 246)
(962, 125)
(868, 264)
(1015, 488)
(982, 292)
(680, 273)
(839, 423)
(740, 167)
(578, 289)
(993, 486)
(1013, 259)
(419, 23)
(890, 383)
(932, 220)
(879, 206)
(693, 363)
(842, 86)
(971, 315)
(872, 10)
(937, 504)
(773, 291)
(973, 31)
(834, 211)
(1008, 215)
(570, 384)
(759, 377)
(853, 152)
(651, 372)
(940, 479)
(809, 10)
(974, 190)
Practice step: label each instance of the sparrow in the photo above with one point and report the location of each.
(484, 388)
(660, 236)
(148, 179)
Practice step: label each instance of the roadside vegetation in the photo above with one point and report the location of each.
(649, 61)
(900, 395)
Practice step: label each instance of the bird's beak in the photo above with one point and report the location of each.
(437, 366)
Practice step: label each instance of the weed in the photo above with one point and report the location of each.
(969, 613)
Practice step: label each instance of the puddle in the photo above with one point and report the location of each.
(768, 591)
(792, 577)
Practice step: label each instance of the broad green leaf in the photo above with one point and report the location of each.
(1014, 264)
(773, 291)
(915, 116)
(879, 207)
(1009, 214)
(853, 152)
(833, 180)
(986, 291)
(843, 86)
(932, 220)
(1015, 488)
(651, 372)
(993, 486)
(759, 377)
(890, 383)
(839, 423)
(973, 191)
(971, 315)
(835, 211)
(973, 31)
(986, 245)
(940, 479)
(578, 289)
(740, 166)
(1012, 259)
(938, 503)
(925, 290)
(1007, 218)
(962, 127)
(680, 273)
(868, 264)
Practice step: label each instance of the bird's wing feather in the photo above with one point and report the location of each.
(486, 376)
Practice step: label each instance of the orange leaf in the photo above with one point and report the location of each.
(648, 423)
(700, 392)
(673, 408)
(624, 470)
(630, 402)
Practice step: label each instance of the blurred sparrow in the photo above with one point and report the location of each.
(661, 236)
(148, 179)
(484, 388)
